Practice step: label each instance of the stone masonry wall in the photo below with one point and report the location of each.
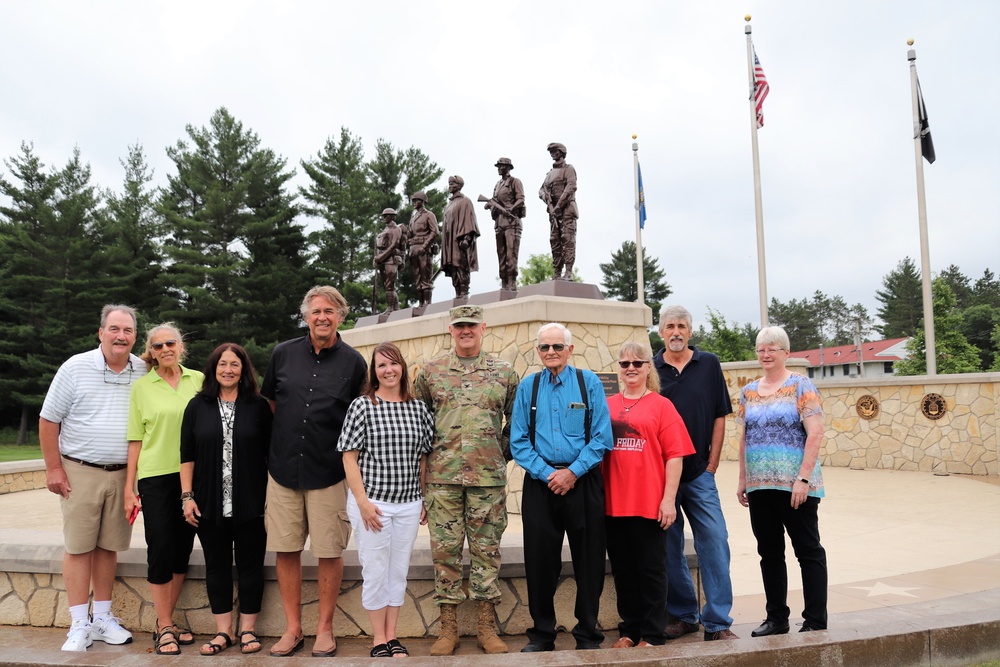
(899, 437)
(39, 600)
(21, 476)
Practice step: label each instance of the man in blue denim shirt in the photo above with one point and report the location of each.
(563, 492)
(693, 381)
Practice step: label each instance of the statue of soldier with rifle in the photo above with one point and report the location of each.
(390, 250)
(423, 238)
(559, 194)
(507, 208)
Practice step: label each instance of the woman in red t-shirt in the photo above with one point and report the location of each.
(641, 475)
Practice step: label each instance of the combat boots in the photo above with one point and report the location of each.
(487, 630)
(448, 632)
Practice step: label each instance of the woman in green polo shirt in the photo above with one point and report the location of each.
(156, 409)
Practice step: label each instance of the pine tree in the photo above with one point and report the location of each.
(51, 282)
(341, 194)
(232, 240)
(953, 352)
(129, 234)
(902, 301)
(620, 281)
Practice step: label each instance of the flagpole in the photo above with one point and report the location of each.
(930, 353)
(638, 228)
(758, 204)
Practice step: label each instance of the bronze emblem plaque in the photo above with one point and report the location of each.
(867, 407)
(933, 406)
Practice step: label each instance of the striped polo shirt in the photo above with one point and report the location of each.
(90, 403)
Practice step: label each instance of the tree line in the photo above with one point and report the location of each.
(966, 322)
(219, 249)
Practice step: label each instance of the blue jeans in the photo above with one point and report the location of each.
(699, 500)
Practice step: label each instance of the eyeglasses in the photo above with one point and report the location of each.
(159, 346)
(634, 364)
(558, 347)
(110, 377)
(761, 351)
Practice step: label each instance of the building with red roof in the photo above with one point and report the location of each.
(873, 359)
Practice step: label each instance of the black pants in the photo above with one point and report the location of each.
(219, 543)
(637, 549)
(546, 517)
(169, 537)
(771, 514)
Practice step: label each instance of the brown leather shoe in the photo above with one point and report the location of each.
(678, 628)
(623, 642)
(720, 634)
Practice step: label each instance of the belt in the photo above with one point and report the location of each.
(111, 467)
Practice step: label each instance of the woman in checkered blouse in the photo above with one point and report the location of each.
(385, 439)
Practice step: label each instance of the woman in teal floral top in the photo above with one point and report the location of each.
(781, 482)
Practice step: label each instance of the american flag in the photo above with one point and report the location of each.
(760, 89)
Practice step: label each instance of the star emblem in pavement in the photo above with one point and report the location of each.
(879, 588)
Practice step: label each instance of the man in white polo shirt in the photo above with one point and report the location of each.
(82, 434)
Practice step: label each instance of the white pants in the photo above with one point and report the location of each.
(385, 555)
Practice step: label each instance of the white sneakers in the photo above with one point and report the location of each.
(83, 633)
(79, 637)
(109, 631)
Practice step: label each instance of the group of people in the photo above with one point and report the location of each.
(331, 446)
(460, 231)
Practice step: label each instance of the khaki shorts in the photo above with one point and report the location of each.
(292, 514)
(94, 513)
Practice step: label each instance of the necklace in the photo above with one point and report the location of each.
(635, 403)
(228, 411)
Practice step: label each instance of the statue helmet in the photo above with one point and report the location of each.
(419, 194)
(504, 161)
(556, 146)
(389, 211)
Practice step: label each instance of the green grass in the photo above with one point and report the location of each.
(19, 452)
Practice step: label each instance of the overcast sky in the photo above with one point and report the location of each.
(468, 82)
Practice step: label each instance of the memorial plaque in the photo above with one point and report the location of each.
(610, 383)
(867, 407)
(933, 406)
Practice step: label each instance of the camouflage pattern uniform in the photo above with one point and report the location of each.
(467, 470)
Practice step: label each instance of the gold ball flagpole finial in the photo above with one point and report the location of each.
(747, 18)
(634, 136)
(909, 42)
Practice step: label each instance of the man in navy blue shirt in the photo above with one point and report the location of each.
(563, 492)
(693, 381)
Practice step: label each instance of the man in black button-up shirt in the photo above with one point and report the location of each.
(310, 382)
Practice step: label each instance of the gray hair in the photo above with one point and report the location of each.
(642, 352)
(147, 354)
(567, 335)
(675, 313)
(115, 308)
(330, 294)
(774, 336)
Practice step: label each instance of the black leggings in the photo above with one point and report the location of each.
(219, 543)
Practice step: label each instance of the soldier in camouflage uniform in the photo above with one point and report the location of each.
(471, 395)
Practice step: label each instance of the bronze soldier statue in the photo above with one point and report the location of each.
(507, 209)
(423, 237)
(458, 245)
(559, 194)
(390, 249)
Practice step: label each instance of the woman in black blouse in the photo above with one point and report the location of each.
(385, 440)
(224, 441)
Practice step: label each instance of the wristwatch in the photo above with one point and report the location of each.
(804, 480)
